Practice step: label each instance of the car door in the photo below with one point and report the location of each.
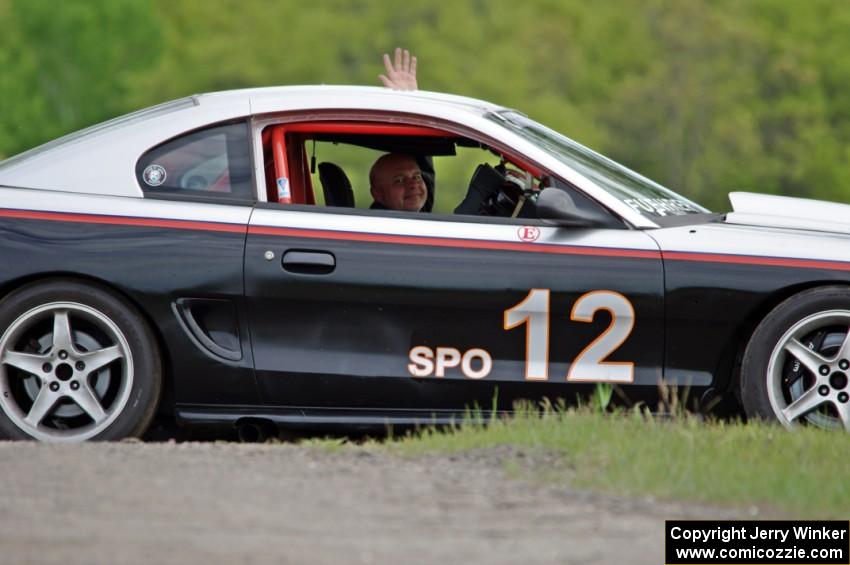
(378, 310)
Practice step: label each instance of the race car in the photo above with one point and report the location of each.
(188, 260)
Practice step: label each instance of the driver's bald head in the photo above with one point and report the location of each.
(396, 182)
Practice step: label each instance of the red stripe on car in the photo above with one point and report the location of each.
(451, 242)
(756, 260)
(123, 221)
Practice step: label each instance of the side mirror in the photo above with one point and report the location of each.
(556, 205)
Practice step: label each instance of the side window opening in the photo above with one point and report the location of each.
(328, 164)
(214, 162)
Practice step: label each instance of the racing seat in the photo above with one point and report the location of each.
(336, 186)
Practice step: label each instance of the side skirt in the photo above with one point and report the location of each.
(311, 418)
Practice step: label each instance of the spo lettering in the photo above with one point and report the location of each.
(425, 362)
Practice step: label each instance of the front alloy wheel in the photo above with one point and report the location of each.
(808, 372)
(796, 368)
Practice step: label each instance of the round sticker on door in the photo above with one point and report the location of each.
(528, 233)
(154, 175)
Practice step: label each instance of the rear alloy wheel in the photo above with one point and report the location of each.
(76, 363)
(796, 368)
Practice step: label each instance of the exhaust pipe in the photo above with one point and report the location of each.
(255, 431)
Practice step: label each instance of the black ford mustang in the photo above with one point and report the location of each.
(181, 258)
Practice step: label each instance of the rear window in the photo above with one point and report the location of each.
(210, 163)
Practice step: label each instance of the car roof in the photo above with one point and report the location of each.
(289, 95)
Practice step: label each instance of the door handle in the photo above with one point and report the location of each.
(309, 262)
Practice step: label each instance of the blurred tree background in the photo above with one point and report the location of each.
(705, 97)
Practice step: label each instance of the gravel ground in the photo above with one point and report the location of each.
(277, 503)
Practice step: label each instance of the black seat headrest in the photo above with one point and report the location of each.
(336, 186)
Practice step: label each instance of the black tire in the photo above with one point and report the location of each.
(795, 366)
(77, 363)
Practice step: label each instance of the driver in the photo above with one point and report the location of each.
(386, 183)
(405, 182)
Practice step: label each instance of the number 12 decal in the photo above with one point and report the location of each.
(590, 365)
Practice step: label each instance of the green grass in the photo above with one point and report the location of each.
(326, 444)
(802, 473)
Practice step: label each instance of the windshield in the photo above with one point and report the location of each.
(640, 193)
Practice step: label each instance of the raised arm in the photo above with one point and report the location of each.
(401, 73)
